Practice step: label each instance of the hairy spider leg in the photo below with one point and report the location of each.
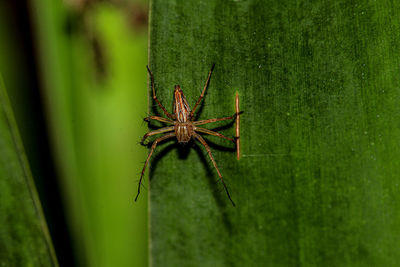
(214, 120)
(207, 131)
(203, 142)
(158, 140)
(169, 115)
(158, 131)
(202, 93)
(156, 118)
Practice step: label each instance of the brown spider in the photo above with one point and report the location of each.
(183, 126)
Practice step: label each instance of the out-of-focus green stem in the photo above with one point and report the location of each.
(94, 78)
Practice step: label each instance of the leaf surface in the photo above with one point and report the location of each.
(318, 182)
(24, 237)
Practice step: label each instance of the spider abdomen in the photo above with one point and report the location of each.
(183, 132)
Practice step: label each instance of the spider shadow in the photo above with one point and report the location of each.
(183, 153)
(224, 127)
(155, 110)
(200, 108)
(158, 156)
(219, 196)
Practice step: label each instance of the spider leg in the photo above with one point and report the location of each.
(206, 131)
(169, 135)
(158, 131)
(203, 142)
(202, 93)
(159, 119)
(169, 115)
(214, 120)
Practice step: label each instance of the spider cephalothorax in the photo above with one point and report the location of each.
(183, 126)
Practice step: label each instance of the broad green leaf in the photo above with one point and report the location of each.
(24, 237)
(318, 182)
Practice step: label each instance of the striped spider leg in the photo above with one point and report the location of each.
(183, 127)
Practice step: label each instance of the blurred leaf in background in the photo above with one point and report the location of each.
(17, 62)
(88, 61)
(24, 237)
(93, 59)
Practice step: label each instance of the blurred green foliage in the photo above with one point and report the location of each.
(24, 237)
(95, 89)
(90, 59)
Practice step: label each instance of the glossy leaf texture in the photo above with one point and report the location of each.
(93, 69)
(24, 237)
(318, 182)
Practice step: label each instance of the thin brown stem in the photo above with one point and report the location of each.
(161, 130)
(237, 130)
(203, 142)
(158, 140)
(202, 93)
(169, 115)
(206, 131)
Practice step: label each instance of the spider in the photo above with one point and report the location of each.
(183, 126)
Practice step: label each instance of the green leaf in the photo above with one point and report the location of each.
(24, 237)
(318, 182)
(94, 76)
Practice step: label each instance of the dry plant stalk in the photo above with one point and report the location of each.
(237, 126)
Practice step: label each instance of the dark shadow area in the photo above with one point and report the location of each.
(183, 152)
(199, 108)
(28, 107)
(219, 195)
(160, 154)
(227, 147)
(184, 149)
